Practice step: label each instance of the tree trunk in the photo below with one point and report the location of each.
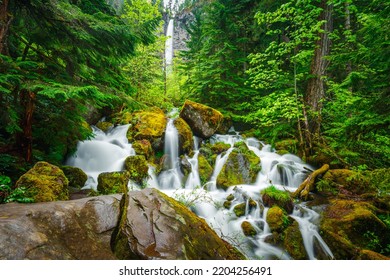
(5, 21)
(316, 87)
(27, 99)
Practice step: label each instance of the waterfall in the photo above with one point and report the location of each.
(171, 176)
(169, 45)
(107, 152)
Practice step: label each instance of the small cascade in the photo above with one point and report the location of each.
(107, 152)
(171, 176)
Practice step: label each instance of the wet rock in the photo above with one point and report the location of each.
(287, 146)
(293, 242)
(148, 125)
(76, 176)
(205, 169)
(272, 196)
(219, 148)
(241, 167)
(44, 182)
(203, 120)
(348, 227)
(239, 209)
(143, 147)
(248, 229)
(113, 182)
(158, 227)
(137, 167)
(104, 126)
(186, 140)
(277, 219)
(77, 229)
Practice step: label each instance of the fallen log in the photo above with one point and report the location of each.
(309, 184)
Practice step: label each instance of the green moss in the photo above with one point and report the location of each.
(248, 229)
(75, 175)
(241, 167)
(137, 167)
(186, 140)
(147, 125)
(349, 226)
(227, 204)
(293, 242)
(143, 147)
(230, 197)
(113, 182)
(239, 209)
(219, 147)
(277, 219)
(273, 196)
(205, 169)
(104, 126)
(287, 146)
(44, 182)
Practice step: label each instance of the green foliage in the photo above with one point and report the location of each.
(7, 194)
(276, 194)
(5, 188)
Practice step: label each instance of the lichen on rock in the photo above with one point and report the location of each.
(76, 176)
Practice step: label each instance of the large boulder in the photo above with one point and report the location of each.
(77, 229)
(351, 229)
(241, 167)
(158, 227)
(149, 125)
(44, 182)
(186, 139)
(76, 176)
(203, 120)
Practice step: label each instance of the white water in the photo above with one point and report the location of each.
(107, 152)
(169, 44)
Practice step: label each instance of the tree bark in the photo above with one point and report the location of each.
(5, 21)
(308, 185)
(316, 87)
(27, 99)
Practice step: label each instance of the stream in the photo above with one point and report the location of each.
(106, 152)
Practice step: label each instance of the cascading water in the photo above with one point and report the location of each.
(171, 177)
(107, 152)
(169, 44)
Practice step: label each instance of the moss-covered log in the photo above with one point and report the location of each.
(309, 184)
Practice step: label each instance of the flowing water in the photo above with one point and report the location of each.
(107, 152)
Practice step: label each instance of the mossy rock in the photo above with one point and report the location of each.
(293, 242)
(239, 209)
(241, 167)
(148, 125)
(44, 182)
(104, 126)
(137, 167)
(227, 204)
(122, 118)
(113, 182)
(345, 182)
(186, 138)
(225, 125)
(76, 176)
(203, 120)
(205, 169)
(272, 196)
(287, 146)
(143, 147)
(277, 219)
(349, 226)
(219, 148)
(248, 229)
